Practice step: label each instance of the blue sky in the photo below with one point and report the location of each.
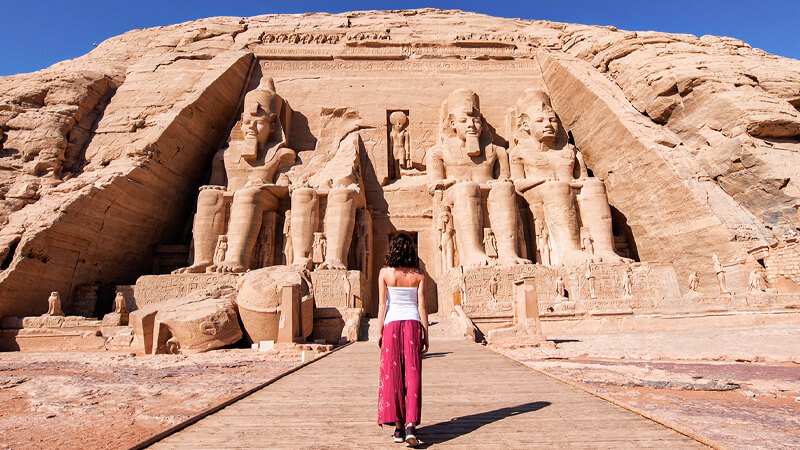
(36, 34)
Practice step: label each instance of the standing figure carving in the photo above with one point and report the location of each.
(287, 239)
(400, 143)
(464, 164)
(493, 284)
(490, 244)
(758, 281)
(446, 245)
(54, 305)
(720, 271)
(587, 243)
(119, 304)
(694, 281)
(548, 173)
(257, 151)
(320, 248)
(627, 282)
(544, 245)
(222, 248)
(560, 289)
(590, 281)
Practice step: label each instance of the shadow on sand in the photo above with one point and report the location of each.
(459, 426)
(435, 355)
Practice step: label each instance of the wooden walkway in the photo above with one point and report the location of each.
(472, 398)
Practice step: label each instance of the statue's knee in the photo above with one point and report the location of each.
(209, 198)
(467, 189)
(303, 196)
(593, 187)
(502, 189)
(247, 196)
(340, 195)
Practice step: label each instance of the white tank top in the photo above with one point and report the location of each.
(401, 304)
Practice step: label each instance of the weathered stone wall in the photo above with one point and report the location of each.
(696, 138)
(148, 154)
(783, 266)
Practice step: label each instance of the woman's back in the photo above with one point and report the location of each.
(409, 277)
(402, 298)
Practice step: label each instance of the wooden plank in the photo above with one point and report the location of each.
(472, 397)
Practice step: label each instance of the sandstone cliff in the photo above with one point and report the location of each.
(697, 138)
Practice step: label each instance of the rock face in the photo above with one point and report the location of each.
(695, 138)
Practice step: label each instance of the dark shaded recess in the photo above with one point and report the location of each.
(620, 227)
(12, 249)
(528, 233)
(105, 299)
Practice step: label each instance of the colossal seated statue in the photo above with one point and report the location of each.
(256, 152)
(464, 163)
(545, 172)
(334, 174)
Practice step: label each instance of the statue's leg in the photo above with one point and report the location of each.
(209, 224)
(562, 221)
(340, 219)
(468, 222)
(503, 215)
(305, 221)
(596, 215)
(247, 213)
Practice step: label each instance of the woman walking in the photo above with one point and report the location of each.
(403, 331)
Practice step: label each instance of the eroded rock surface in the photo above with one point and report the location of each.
(695, 138)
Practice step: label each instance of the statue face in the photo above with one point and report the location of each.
(257, 126)
(466, 124)
(542, 125)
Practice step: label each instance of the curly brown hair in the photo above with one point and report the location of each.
(402, 252)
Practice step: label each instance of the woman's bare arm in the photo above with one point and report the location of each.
(381, 304)
(423, 313)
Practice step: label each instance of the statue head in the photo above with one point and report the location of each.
(463, 119)
(260, 119)
(399, 120)
(535, 118)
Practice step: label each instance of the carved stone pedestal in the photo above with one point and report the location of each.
(526, 329)
(339, 306)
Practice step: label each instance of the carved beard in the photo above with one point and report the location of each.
(473, 145)
(250, 147)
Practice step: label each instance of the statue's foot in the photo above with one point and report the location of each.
(228, 267)
(303, 262)
(513, 261)
(478, 261)
(576, 258)
(332, 265)
(611, 257)
(194, 268)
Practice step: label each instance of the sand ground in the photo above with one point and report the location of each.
(738, 387)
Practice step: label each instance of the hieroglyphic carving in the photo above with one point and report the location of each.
(301, 38)
(496, 37)
(485, 297)
(158, 288)
(650, 280)
(336, 288)
(269, 66)
(381, 35)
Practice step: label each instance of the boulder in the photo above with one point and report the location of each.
(198, 322)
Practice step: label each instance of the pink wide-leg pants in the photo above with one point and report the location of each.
(400, 384)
